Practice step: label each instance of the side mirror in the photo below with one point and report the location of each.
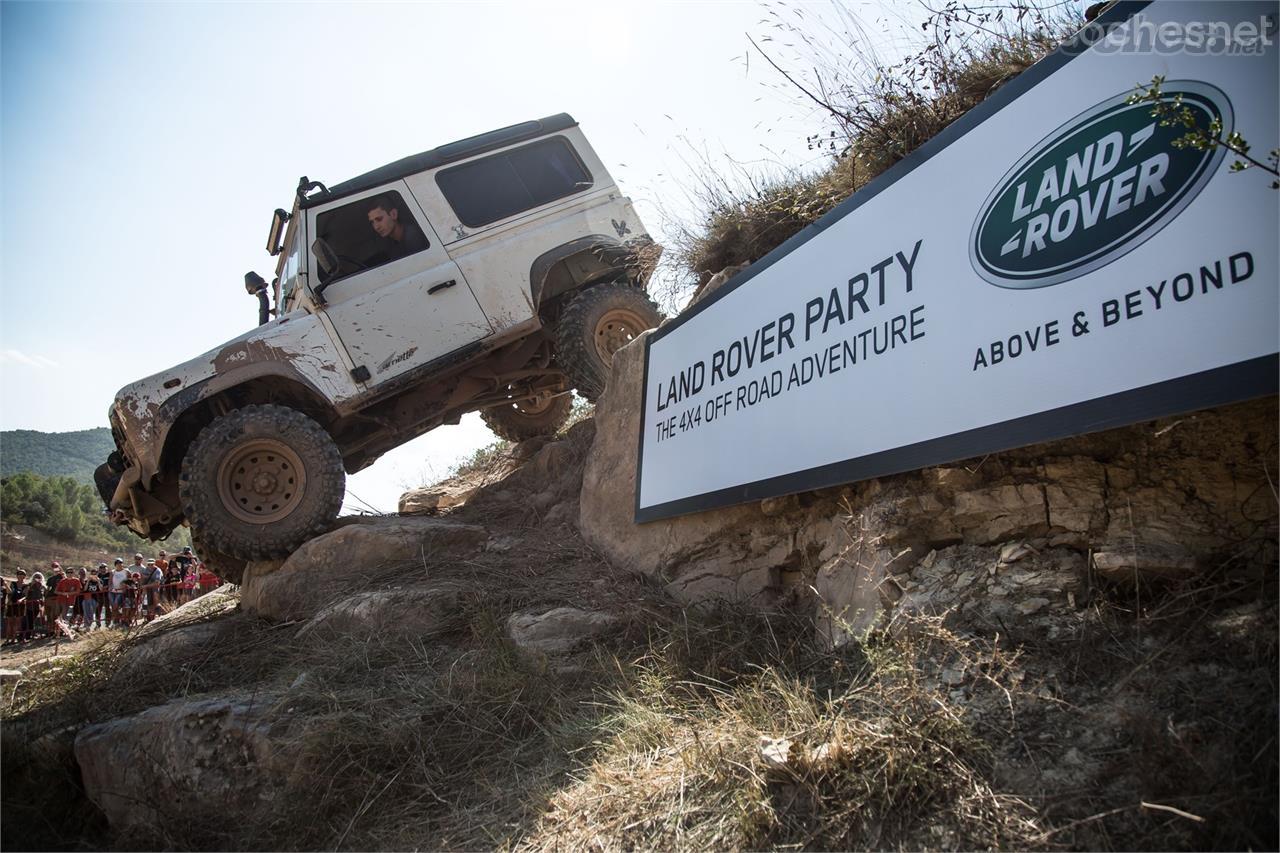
(325, 256)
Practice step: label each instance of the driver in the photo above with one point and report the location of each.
(400, 238)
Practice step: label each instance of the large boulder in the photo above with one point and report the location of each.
(1156, 500)
(373, 551)
(143, 768)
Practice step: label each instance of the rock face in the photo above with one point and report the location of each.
(338, 563)
(143, 768)
(1018, 532)
(539, 477)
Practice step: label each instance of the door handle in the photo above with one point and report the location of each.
(436, 288)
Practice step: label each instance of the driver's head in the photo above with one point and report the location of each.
(384, 216)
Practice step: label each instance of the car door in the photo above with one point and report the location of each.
(392, 313)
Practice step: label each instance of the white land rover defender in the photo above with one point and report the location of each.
(496, 274)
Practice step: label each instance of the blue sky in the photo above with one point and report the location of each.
(144, 146)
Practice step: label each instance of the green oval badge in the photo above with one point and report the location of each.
(1097, 187)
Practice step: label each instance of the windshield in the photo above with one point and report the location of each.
(292, 263)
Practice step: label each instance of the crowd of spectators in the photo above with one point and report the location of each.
(97, 599)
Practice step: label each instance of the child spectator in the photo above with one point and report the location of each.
(188, 583)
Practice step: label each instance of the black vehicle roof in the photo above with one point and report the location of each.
(443, 155)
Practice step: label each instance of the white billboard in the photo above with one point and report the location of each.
(1051, 264)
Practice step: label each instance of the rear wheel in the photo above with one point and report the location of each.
(259, 481)
(525, 419)
(597, 323)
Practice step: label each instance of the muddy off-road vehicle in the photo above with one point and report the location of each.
(497, 274)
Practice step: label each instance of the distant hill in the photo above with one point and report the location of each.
(55, 454)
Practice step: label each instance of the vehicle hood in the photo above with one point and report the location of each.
(143, 410)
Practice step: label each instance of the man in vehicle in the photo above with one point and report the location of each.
(401, 236)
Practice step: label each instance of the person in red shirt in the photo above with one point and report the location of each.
(68, 590)
(208, 580)
(67, 587)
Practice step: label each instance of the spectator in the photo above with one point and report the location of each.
(185, 560)
(188, 583)
(16, 612)
(208, 580)
(104, 584)
(130, 606)
(118, 578)
(89, 601)
(172, 577)
(51, 611)
(68, 590)
(153, 580)
(34, 603)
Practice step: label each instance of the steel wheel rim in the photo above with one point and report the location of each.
(261, 481)
(616, 328)
(533, 406)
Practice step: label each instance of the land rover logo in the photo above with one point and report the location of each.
(1094, 189)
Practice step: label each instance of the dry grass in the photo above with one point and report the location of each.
(867, 752)
(872, 112)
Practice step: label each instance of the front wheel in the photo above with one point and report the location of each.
(597, 323)
(259, 481)
(224, 566)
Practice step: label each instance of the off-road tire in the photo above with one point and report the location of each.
(256, 454)
(597, 323)
(228, 568)
(525, 420)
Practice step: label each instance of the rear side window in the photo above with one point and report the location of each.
(505, 184)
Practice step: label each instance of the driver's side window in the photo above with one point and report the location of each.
(365, 234)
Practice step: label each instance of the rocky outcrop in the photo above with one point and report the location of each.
(338, 563)
(1015, 533)
(540, 478)
(153, 765)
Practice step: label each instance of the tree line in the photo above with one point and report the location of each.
(65, 509)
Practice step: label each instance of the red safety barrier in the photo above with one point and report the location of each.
(24, 619)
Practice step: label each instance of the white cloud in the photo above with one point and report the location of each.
(13, 356)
